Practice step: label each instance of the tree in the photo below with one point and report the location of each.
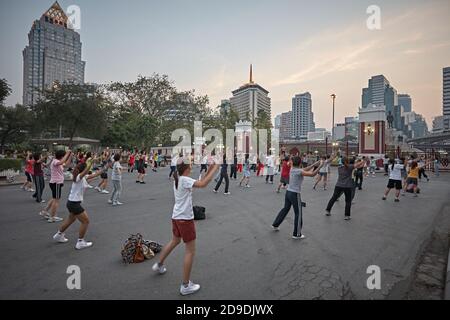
(79, 109)
(15, 123)
(159, 107)
(5, 90)
(262, 121)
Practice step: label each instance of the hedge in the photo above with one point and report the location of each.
(6, 164)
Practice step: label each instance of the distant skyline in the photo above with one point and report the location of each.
(295, 46)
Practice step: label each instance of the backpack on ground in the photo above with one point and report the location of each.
(199, 213)
(132, 251)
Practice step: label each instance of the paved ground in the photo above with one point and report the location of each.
(238, 256)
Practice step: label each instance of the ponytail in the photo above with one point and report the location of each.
(181, 168)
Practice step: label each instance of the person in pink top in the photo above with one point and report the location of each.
(29, 164)
(56, 184)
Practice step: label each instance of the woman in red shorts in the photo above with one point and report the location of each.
(183, 226)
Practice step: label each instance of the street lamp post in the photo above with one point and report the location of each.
(333, 96)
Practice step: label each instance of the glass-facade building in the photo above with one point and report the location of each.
(53, 54)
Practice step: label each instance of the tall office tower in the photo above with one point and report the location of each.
(249, 99)
(302, 116)
(286, 125)
(53, 54)
(277, 121)
(446, 98)
(375, 92)
(404, 100)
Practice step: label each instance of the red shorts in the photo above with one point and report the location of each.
(184, 229)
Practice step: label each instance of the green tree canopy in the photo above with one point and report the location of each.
(79, 109)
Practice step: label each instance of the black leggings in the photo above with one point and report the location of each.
(40, 185)
(223, 175)
(291, 199)
(348, 199)
(422, 173)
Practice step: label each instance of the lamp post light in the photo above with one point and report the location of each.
(333, 97)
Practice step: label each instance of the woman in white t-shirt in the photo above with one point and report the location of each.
(395, 179)
(183, 226)
(76, 211)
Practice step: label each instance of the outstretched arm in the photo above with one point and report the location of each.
(207, 179)
(312, 173)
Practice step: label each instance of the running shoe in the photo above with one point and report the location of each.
(214, 190)
(105, 191)
(82, 244)
(54, 219)
(347, 218)
(299, 237)
(98, 189)
(227, 193)
(189, 289)
(44, 214)
(275, 228)
(110, 201)
(59, 237)
(327, 213)
(384, 198)
(397, 200)
(160, 268)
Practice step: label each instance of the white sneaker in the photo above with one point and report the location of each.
(275, 228)
(44, 214)
(247, 186)
(54, 219)
(227, 193)
(90, 187)
(98, 189)
(119, 203)
(82, 244)
(298, 238)
(161, 269)
(105, 191)
(59, 237)
(110, 201)
(189, 289)
(30, 190)
(214, 190)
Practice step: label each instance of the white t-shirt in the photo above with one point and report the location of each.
(116, 173)
(174, 160)
(270, 161)
(396, 173)
(325, 168)
(182, 210)
(205, 160)
(77, 190)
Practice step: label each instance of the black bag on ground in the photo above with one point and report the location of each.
(199, 213)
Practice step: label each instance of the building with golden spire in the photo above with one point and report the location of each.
(249, 99)
(53, 54)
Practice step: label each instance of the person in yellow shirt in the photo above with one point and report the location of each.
(413, 176)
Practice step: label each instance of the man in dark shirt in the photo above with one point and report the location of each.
(223, 175)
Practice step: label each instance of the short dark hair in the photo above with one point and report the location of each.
(117, 157)
(296, 161)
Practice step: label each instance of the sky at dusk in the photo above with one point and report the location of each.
(295, 46)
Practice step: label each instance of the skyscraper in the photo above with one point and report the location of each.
(446, 98)
(53, 54)
(404, 100)
(302, 115)
(286, 125)
(375, 92)
(249, 99)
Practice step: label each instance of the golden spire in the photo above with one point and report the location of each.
(251, 73)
